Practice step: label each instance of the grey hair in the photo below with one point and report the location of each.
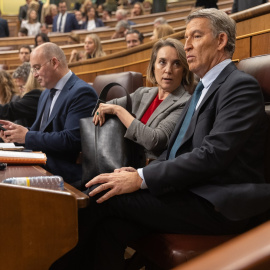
(120, 24)
(160, 20)
(220, 23)
(22, 72)
(122, 12)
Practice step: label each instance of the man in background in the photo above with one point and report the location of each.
(239, 5)
(64, 21)
(133, 38)
(24, 53)
(23, 11)
(4, 31)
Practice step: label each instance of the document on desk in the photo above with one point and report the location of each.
(15, 157)
(10, 147)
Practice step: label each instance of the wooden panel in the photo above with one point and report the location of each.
(260, 44)
(242, 48)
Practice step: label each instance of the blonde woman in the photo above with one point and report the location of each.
(137, 10)
(92, 49)
(161, 31)
(32, 24)
(7, 88)
(23, 110)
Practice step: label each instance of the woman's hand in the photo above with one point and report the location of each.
(103, 109)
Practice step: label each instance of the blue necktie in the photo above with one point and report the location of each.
(194, 100)
(46, 112)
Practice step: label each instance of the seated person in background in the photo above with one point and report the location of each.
(157, 109)
(64, 22)
(74, 39)
(85, 6)
(92, 49)
(4, 31)
(121, 14)
(120, 29)
(110, 5)
(49, 11)
(20, 77)
(137, 10)
(32, 24)
(8, 91)
(23, 32)
(79, 17)
(161, 31)
(133, 38)
(210, 180)
(106, 15)
(23, 10)
(239, 5)
(158, 21)
(41, 38)
(44, 28)
(24, 53)
(23, 111)
(92, 20)
(56, 130)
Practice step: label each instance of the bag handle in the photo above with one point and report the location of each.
(103, 95)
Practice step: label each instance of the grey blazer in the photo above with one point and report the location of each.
(154, 136)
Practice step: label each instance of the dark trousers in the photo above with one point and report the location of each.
(106, 229)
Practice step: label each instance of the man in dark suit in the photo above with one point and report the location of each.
(239, 5)
(206, 3)
(4, 32)
(23, 11)
(64, 21)
(210, 180)
(71, 99)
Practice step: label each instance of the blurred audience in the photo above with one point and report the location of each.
(110, 5)
(4, 31)
(23, 110)
(85, 6)
(92, 49)
(7, 88)
(20, 76)
(162, 30)
(31, 24)
(24, 53)
(23, 32)
(23, 11)
(134, 38)
(92, 20)
(41, 38)
(64, 21)
(48, 13)
(239, 5)
(44, 28)
(137, 10)
(79, 18)
(121, 14)
(106, 15)
(207, 3)
(120, 29)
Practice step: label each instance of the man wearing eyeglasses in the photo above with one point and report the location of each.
(66, 100)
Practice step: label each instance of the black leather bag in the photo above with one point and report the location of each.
(104, 148)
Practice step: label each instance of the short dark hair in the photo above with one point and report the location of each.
(23, 30)
(134, 31)
(26, 47)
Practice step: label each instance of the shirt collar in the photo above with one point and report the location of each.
(61, 83)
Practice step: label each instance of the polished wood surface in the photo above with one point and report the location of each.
(249, 251)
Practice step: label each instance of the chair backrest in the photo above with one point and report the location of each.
(129, 80)
(259, 67)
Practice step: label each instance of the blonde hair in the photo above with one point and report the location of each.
(28, 15)
(98, 51)
(163, 30)
(31, 84)
(7, 86)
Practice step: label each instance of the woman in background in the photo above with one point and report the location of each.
(157, 109)
(8, 91)
(137, 10)
(41, 38)
(32, 24)
(92, 49)
(23, 110)
(161, 31)
(92, 20)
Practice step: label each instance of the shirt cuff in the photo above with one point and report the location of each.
(140, 172)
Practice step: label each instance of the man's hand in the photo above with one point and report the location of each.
(14, 133)
(115, 183)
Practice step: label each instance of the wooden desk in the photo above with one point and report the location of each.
(37, 226)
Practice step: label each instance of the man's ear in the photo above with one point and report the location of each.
(55, 62)
(222, 40)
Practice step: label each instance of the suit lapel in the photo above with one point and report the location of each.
(213, 88)
(166, 103)
(146, 100)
